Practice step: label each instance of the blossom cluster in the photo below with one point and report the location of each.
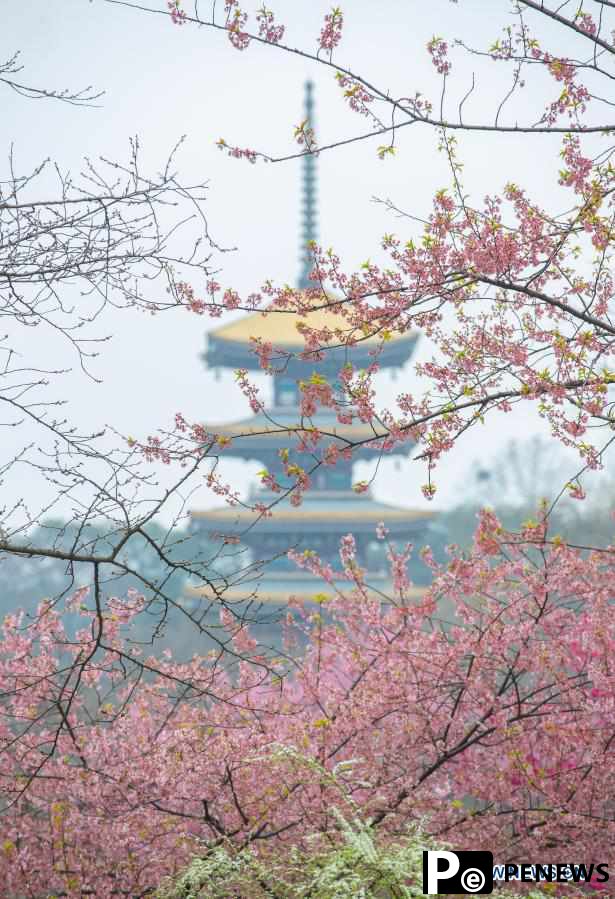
(438, 50)
(331, 33)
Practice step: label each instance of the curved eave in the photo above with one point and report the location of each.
(252, 439)
(278, 595)
(222, 352)
(399, 521)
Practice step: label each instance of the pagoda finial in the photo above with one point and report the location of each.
(309, 213)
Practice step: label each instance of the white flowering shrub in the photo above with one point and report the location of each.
(357, 868)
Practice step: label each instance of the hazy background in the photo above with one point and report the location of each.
(162, 82)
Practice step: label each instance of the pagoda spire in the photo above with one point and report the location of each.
(309, 222)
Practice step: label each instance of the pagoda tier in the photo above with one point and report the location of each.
(317, 524)
(261, 436)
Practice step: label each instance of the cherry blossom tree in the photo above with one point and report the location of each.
(493, 729)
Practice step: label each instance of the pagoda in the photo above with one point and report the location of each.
(330, 508)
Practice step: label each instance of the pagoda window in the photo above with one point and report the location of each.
(376, 557)
(337, 478)
(286, 392)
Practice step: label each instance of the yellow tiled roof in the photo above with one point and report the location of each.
(280, 327)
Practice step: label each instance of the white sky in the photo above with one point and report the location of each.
(162, 82)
